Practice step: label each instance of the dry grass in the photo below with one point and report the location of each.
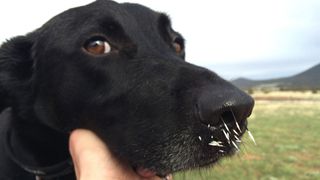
(287, 96)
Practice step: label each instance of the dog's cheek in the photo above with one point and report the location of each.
(164, 148)
(66, 94)
(169, 154)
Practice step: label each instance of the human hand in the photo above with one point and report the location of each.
(93, 160)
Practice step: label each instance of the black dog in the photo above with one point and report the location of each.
(118, 70)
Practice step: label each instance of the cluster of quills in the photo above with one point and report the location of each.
(232, 136)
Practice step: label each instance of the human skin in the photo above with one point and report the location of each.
(93, 160)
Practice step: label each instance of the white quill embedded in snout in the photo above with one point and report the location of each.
(251, 137)
(225, 125)
(235, 145)
(238, 126)
(226, 135)
(234, 117)
(235, 132)
(216, 143)
(237, 139)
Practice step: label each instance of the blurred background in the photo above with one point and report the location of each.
(269, 48)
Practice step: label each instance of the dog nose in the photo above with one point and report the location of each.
(218, 106)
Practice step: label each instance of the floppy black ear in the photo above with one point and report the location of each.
(15, 71)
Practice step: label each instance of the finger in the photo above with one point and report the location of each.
(89, 155)
(94, 161)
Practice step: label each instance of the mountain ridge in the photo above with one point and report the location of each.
(306, 80)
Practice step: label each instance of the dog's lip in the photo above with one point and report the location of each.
(145, 172)
(148, 173)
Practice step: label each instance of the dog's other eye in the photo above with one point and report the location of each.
(178, 45)
(97, 46)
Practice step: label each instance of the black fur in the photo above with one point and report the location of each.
(147, 104)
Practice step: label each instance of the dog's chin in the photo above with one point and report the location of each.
(217, 142)
(209, 145)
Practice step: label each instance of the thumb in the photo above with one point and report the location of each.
(92, 159)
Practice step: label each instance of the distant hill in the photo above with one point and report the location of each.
(307, 80)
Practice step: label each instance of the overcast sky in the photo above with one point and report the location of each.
(235, 38)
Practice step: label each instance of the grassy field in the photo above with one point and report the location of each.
(287, 132)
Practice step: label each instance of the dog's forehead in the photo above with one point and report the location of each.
(120, 11)
(123, 13)
(69, 25)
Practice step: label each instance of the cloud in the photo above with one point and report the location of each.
(246, 33)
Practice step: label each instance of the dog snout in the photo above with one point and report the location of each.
(220, 106)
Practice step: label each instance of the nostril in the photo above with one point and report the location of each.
(229, 107)
(227, 117)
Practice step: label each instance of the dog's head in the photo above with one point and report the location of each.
(119, 70)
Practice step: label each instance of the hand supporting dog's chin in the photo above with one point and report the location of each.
(93, 160)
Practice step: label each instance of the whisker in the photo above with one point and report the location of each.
(200, 172)
(244, 147)
(184, 175)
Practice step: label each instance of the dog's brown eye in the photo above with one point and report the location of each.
(178, 45)
(97, 47)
